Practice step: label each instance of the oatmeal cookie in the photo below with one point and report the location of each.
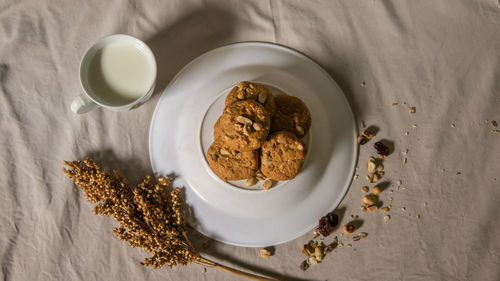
(244, 125)
(282, 156)
(230, 164)
(252, 91)
(291, 115)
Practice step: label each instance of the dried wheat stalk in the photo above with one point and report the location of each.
(150, 215)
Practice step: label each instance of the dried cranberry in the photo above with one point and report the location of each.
(333, 219)
(324, 226)
(382, 149)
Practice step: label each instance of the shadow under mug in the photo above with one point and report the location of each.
(94, 96)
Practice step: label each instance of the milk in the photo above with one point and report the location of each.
(120, 73)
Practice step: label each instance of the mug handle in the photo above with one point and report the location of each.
(82, 104)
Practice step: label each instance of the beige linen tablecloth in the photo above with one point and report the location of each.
(441, 57)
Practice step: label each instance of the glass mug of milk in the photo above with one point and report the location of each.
(117, 73)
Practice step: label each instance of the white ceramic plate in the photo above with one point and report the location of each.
(182, 129)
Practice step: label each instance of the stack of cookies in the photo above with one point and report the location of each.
(259, 135)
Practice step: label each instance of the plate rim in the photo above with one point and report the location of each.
(356, 148)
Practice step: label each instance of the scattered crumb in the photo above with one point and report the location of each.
(387, 218)
(407, 133)
(495, 131)
(414, 125)
(363, 84)
(494, 123)
(418, 217)
(458, 173)
(204, 270)
(405, 160)
(412, 110)
(365, 189)
(425, 204)
(265, 253)
(394, 104)
(363, 124)
(403, 209)
(399, 182)
(452, 125)
(205, 244)
(404, 152)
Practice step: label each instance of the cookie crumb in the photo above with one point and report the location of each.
(265, 253)
(412, 110)
(494, 123)
(387, 218)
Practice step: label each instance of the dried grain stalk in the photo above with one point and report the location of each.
(150, 215)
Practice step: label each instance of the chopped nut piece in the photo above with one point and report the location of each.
(365, 189)
(262, 98)
(240, 95)
(371, 165)
(246, 130)
(267, 184)
(243, 120)
(224, 152)
(371, 178)
(376, 190)
(257, 126)
(380, 167)
(265, 253)
(318, 253)
(349, 228)
(260, 176)
(385, 209)
(363, 209)
(251, 181)
(372, 208)
(387, 218)
(365, 136)
(312, 261)
(304, 266)
(299, 130)
(370, 199)
(412, 110)
(300, 147)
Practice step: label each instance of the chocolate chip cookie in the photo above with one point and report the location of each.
(252, 91)
(291, 115)
(244, 125)
(230, 164)
(282, 156)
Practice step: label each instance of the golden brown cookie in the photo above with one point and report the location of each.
(230, 164)
(282, 156)
(291, 115)
(244, 125)
(252, 91)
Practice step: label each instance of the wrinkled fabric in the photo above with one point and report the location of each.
(441, 57)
